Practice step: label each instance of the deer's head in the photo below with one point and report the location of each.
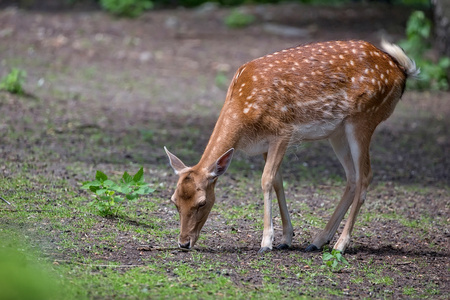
(194, 196)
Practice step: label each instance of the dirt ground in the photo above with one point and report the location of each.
(155, 77)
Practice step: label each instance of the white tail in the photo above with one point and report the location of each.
(397, 53)
(338, 90)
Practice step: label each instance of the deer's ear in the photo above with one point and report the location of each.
(175, 162)
(221, 165)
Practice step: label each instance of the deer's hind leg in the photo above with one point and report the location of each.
(359, 138)
(341, 147)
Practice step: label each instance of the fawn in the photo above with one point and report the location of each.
(337, 90)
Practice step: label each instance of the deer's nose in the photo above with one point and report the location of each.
(185, 245)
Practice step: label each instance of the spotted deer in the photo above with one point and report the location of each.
(337, 90)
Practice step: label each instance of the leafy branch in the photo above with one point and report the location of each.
(110, 196)
(433, 75)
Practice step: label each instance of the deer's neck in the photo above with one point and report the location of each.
(225, 136)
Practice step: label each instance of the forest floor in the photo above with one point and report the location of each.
(107, 94)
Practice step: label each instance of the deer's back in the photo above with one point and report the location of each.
(330, 80)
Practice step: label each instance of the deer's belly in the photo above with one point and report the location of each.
(255, 147)
(316, 130)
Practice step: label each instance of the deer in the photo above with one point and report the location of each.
(335, 90)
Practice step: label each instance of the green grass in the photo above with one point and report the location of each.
(43, 207)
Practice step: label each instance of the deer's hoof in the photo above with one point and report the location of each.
(311, 248)
(282, 247)
(264, 250)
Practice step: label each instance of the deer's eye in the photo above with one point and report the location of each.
(201, 202)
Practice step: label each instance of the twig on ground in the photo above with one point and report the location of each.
(5, 200)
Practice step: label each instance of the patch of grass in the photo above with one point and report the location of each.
(239, 19)
(14, 81)
(126, 8)
(235, 214)
(409, 291)
(24, 274)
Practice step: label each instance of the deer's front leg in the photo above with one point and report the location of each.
(273, 160)
(267, 240)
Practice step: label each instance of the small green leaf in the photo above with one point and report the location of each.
(132, 196)
(127, 178)
(100, 176)
(327, 256)
(108, 183)
(118, 199)
(94, 188)
(139, 176)
(125, 189)
(115, 187)
(144, 190)
(335, 264)
(100, 191)
(88, 184)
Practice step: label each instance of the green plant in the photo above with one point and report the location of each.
(126, 8)
(23, 274)
(239, 19)
(433, 75)
(108, 200)
(13, 82)
(334, 260)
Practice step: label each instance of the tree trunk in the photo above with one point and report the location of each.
(441, 16)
